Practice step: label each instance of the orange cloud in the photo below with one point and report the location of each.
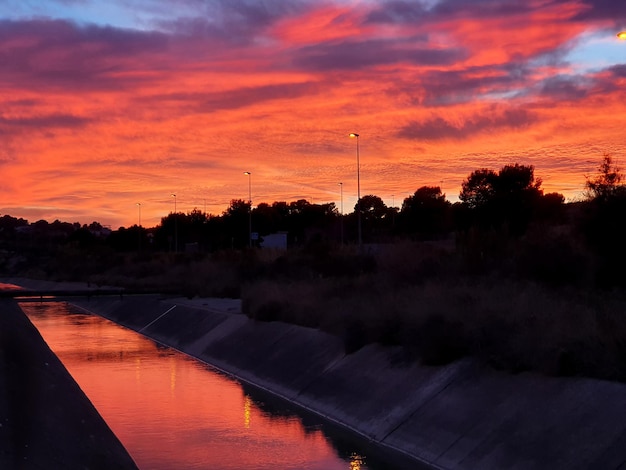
(96, 118)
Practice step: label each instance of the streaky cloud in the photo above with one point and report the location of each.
(235, 22)
(350, 55)
(438, 128)
(235, 98)
(61, 54)
(51, 121)
(603, 10)
(412, 12)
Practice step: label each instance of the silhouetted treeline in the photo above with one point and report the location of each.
(503, 221)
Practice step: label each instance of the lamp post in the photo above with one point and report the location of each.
(139, 217)
(341, 209)
(250, 207)
(175, 225)
(358, 188)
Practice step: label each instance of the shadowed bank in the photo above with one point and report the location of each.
(46, 421)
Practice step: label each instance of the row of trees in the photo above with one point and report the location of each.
(511, 196)
(509, 201)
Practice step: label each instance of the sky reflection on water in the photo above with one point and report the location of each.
(170, 411)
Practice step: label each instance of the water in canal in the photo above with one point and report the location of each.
(173, 412)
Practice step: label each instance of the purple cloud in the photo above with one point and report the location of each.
(566, 88)
(604, 10)
(411, 12)
(351, 55)
(56, 53)
(438, 128)
(577, 87)
(235, 22)
(51, 121)
(235, 99)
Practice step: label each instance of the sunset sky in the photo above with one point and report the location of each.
(104, 105)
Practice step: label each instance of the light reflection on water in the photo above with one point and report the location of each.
(170, 411)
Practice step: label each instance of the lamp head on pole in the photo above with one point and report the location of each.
(622, 35)
(173, 195)
(353, 135)
(247, 173)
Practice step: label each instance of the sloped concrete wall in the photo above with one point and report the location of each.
(46, 421)
(461, 416)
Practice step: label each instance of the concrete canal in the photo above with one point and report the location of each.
(171, 411)
(461, 416)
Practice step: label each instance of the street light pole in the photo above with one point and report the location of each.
(341, 209)
(250, 207)
(175, 225)
(358, 185)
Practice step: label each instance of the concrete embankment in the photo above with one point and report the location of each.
(461, 416)
(46, 421)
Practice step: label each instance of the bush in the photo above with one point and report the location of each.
(556, 260)
(439, 340)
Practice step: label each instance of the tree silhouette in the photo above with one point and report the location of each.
(235, 223)
(426, 213)
(608, 181)
(372, 208)
(9, 226)
(376, 217)
(479, 188)
(603, 222)
(507, 197)
(306, 221)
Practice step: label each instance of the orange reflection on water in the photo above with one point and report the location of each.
(247, 407)
(173, 412)
(356, 462)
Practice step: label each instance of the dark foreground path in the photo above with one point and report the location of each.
(46, 421)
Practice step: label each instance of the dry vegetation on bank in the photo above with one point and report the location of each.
(535, 311)
(425, 300)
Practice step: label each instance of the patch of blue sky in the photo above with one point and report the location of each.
(18, 9)
(597, 50)
(109, 13)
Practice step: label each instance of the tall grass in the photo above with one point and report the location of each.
(422, 300)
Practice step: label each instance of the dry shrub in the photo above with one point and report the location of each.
(269, 300)
(190, 276)
(554, 259)
(411, 262)
(514, 326)
(519, 326)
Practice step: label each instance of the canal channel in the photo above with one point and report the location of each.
(172, 411)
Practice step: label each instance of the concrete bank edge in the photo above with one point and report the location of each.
(46, 420)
